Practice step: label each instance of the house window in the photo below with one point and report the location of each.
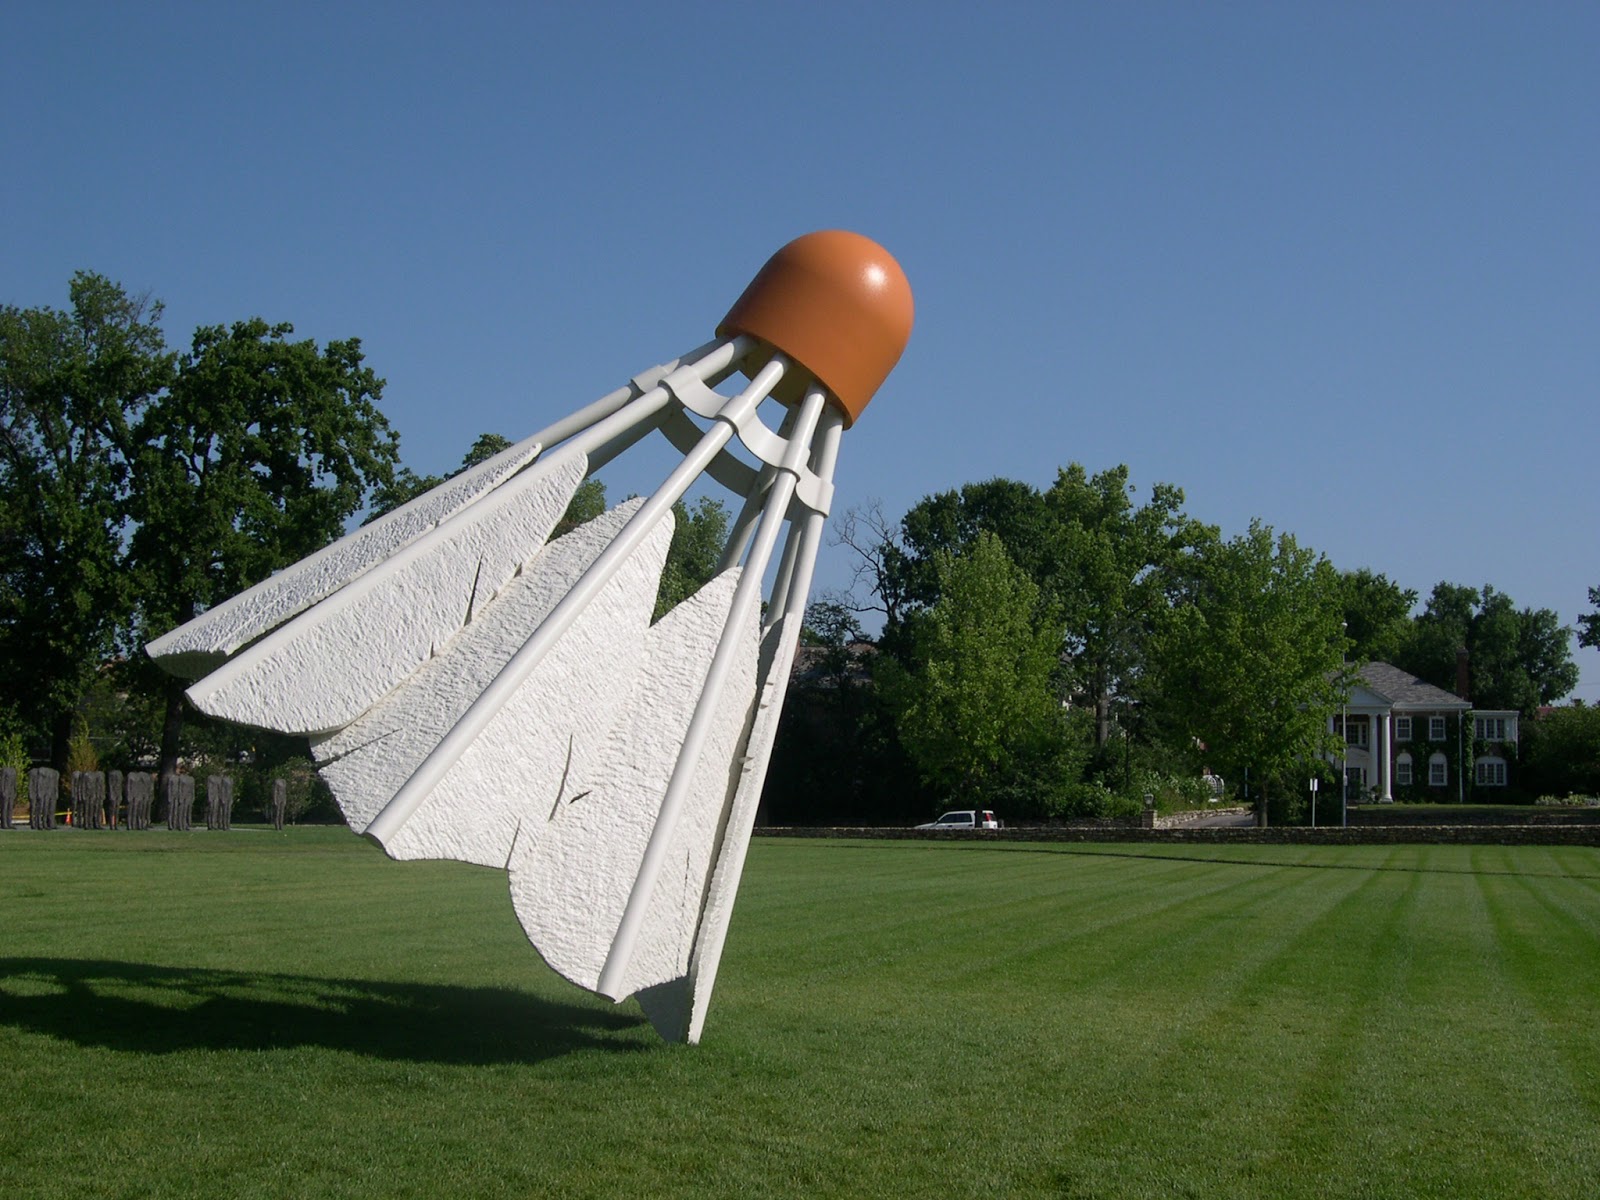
(1402, 729)
(1402, 770)
(1354, 730)
(1436, 729)
(1438, 771)
(1495, 729)
(1490, 772)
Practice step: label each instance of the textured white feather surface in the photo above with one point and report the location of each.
(325, 667)
(573, 871)
(515, 767)
(205, 642)
(777, 657)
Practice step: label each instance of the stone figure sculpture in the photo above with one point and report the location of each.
(474, 691)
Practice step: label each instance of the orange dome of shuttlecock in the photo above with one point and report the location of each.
(837, 304)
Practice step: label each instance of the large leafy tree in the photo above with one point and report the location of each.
(257, 455)
(1377, 615)
(976, 696)
(1562, 751)
(1250, 660)
(1517, 658)
(72, 385)
(950, 522)
(1439, 633)
(1111, 572)
(1105, 564)
(1543, 671)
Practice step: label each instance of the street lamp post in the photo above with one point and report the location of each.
(1344, 737)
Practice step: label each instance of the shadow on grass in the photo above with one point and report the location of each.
(160, 1010)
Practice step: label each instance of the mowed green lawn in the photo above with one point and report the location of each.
(255, 1014)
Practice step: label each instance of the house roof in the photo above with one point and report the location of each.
(1402, 689)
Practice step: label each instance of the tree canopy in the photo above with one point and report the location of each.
(1517, 658)
(698, 533)
(1114, 569)
(977, 690)
(1169, 638)
(139, 487)
(256, 455)
(72, 384)
(1562, 753)
(1250, 660)
(1105, 565)
(1377, 615)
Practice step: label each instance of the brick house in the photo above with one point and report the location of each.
(1406, 739)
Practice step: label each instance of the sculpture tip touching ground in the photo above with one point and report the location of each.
(474, 690)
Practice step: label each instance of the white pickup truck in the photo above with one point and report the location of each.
(965, 818)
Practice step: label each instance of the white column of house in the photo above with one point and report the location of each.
(1380, 748)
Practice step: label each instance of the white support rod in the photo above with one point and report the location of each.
(708, 359)
(615, 432)
(601, 452)
(798, 586)
(504, 685)
(744, 524)
(728, 856)
(745, 597)
(805, 535)
(711, 370)
(777, 604)
(603, 434)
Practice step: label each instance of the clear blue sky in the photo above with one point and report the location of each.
(1335, 266)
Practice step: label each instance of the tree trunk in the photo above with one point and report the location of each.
(172, 718)
(1102, 718)
(171, 731)
(61, 743)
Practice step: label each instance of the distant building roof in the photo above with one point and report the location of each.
(1402, 689)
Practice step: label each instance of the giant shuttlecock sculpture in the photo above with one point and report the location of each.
(475, 691)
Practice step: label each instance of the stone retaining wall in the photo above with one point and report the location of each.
(1400, 814)
(1282, 835)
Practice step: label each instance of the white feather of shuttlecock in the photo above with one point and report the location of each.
(205, 642)
(476, 691)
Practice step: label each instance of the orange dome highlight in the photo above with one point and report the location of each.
(837, 304)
